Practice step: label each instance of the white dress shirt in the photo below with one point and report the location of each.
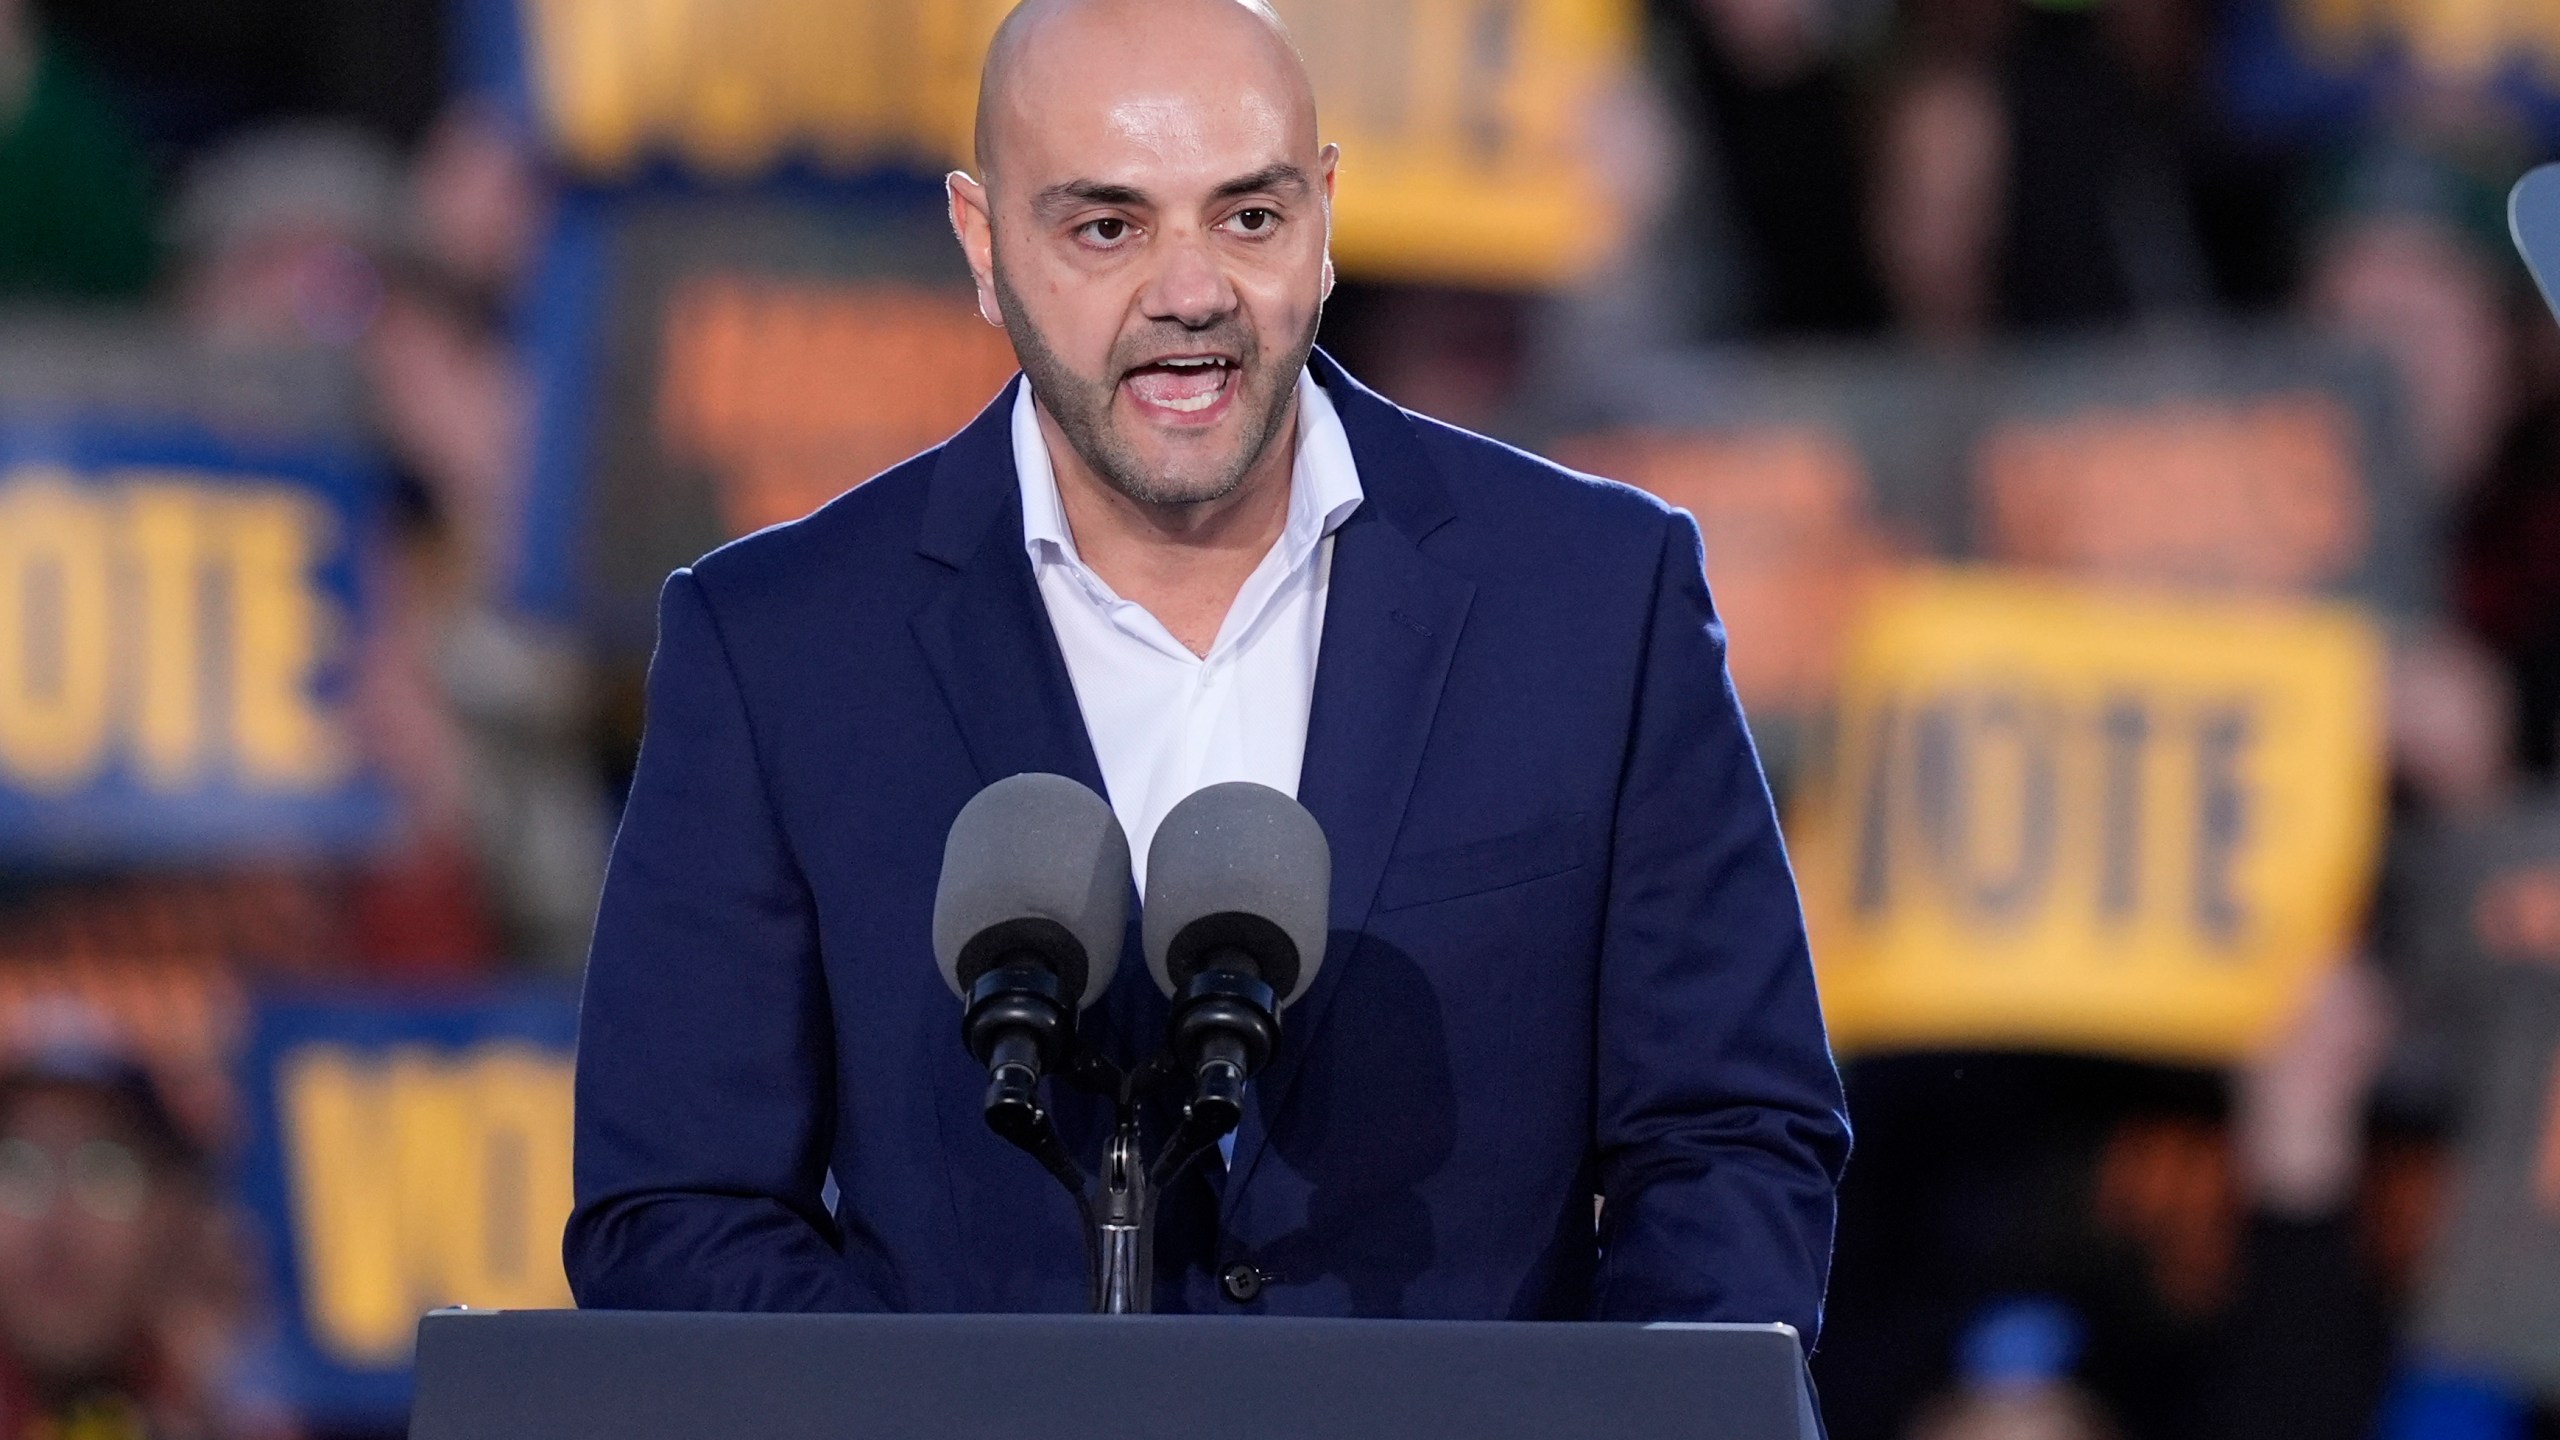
(1165, 722)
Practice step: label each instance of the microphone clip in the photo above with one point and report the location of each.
(1224, 1028)
(1019, 1025)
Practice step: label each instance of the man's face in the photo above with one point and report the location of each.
(87, 1221)
(1155, 240)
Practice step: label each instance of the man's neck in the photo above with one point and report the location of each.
(1184, 563)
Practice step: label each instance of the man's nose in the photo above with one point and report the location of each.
(1189, 287)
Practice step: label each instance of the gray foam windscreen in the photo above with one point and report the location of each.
(1034, 863)
(1230, 850)
(2533, 215)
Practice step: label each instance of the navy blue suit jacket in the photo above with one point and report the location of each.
(1566, 957)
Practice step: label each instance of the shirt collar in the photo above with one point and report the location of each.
(1324, 480)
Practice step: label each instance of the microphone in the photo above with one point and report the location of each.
(1028, 922)
(1238, 879)
(2533, 218)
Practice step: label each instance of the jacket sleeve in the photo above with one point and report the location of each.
(705, 1077)
(1721, 1127)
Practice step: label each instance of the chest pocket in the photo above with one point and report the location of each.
(1549, 848)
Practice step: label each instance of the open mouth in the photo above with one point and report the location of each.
(1188, 386)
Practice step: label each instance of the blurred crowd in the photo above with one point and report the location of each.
(2033, 1248)
(2068, 1247)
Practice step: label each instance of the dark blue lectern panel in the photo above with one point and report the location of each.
(567, 1375)
(2533, 213)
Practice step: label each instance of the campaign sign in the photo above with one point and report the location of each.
(2488, 896)
(2261, 462)
(178, 610)
(1464, 123)
(751, 301)
(1465, 128)
(713, 362)
(403, 1155)
(2066, 816)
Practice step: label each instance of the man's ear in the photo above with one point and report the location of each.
(975, 230)
(1326, 163)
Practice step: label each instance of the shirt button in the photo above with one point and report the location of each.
(1242, 1283)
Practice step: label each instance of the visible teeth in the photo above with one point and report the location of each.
(1183, 387)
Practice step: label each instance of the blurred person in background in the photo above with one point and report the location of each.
(1648, 292)
(1934, 213)
(76, 218)
(2507, 546)
(286, 236)
(2048, 166)
(2211, 1237)
(314, 236)
(481, 201)
(2014, 1380)
(2510, 579)
(282, 236)
(1447, 351)
(122, 1293)
(2303, 1343)
(450, 397)
(2100, 222)
(1767, 88)
(2410, 258)
(2452, 725)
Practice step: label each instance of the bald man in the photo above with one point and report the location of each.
(1566, 960)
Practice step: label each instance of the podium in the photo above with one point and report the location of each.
(632, 1375)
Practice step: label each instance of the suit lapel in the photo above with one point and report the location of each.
(1392, 617)
(987, 635)
(989, 644)
(988, 640)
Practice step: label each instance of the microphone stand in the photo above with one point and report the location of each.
(1122, 1216)
(1118, 1206)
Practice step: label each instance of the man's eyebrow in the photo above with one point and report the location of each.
(1279, 178)
(1070, 193)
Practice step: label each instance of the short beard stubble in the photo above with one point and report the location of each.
(1082, 406)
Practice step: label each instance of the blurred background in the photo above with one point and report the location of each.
(2128, 451)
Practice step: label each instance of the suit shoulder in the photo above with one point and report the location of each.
(1534, 495)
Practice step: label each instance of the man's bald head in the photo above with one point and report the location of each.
(1043, 46)
(1151, 223)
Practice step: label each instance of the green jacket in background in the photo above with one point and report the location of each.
(75, 192)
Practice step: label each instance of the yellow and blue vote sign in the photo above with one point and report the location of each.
(2063, 815)
(751, 300)
(178, 612)
(1464, 123)
(2251, 459)
(404, 1154)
